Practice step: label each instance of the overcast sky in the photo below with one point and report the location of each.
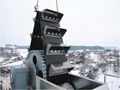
(89, 22)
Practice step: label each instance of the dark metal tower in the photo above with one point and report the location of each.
(47, 42)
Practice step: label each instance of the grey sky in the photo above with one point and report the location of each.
(89, 22)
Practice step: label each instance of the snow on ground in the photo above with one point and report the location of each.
(23, 52)
(14, 64)
(1, 59)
